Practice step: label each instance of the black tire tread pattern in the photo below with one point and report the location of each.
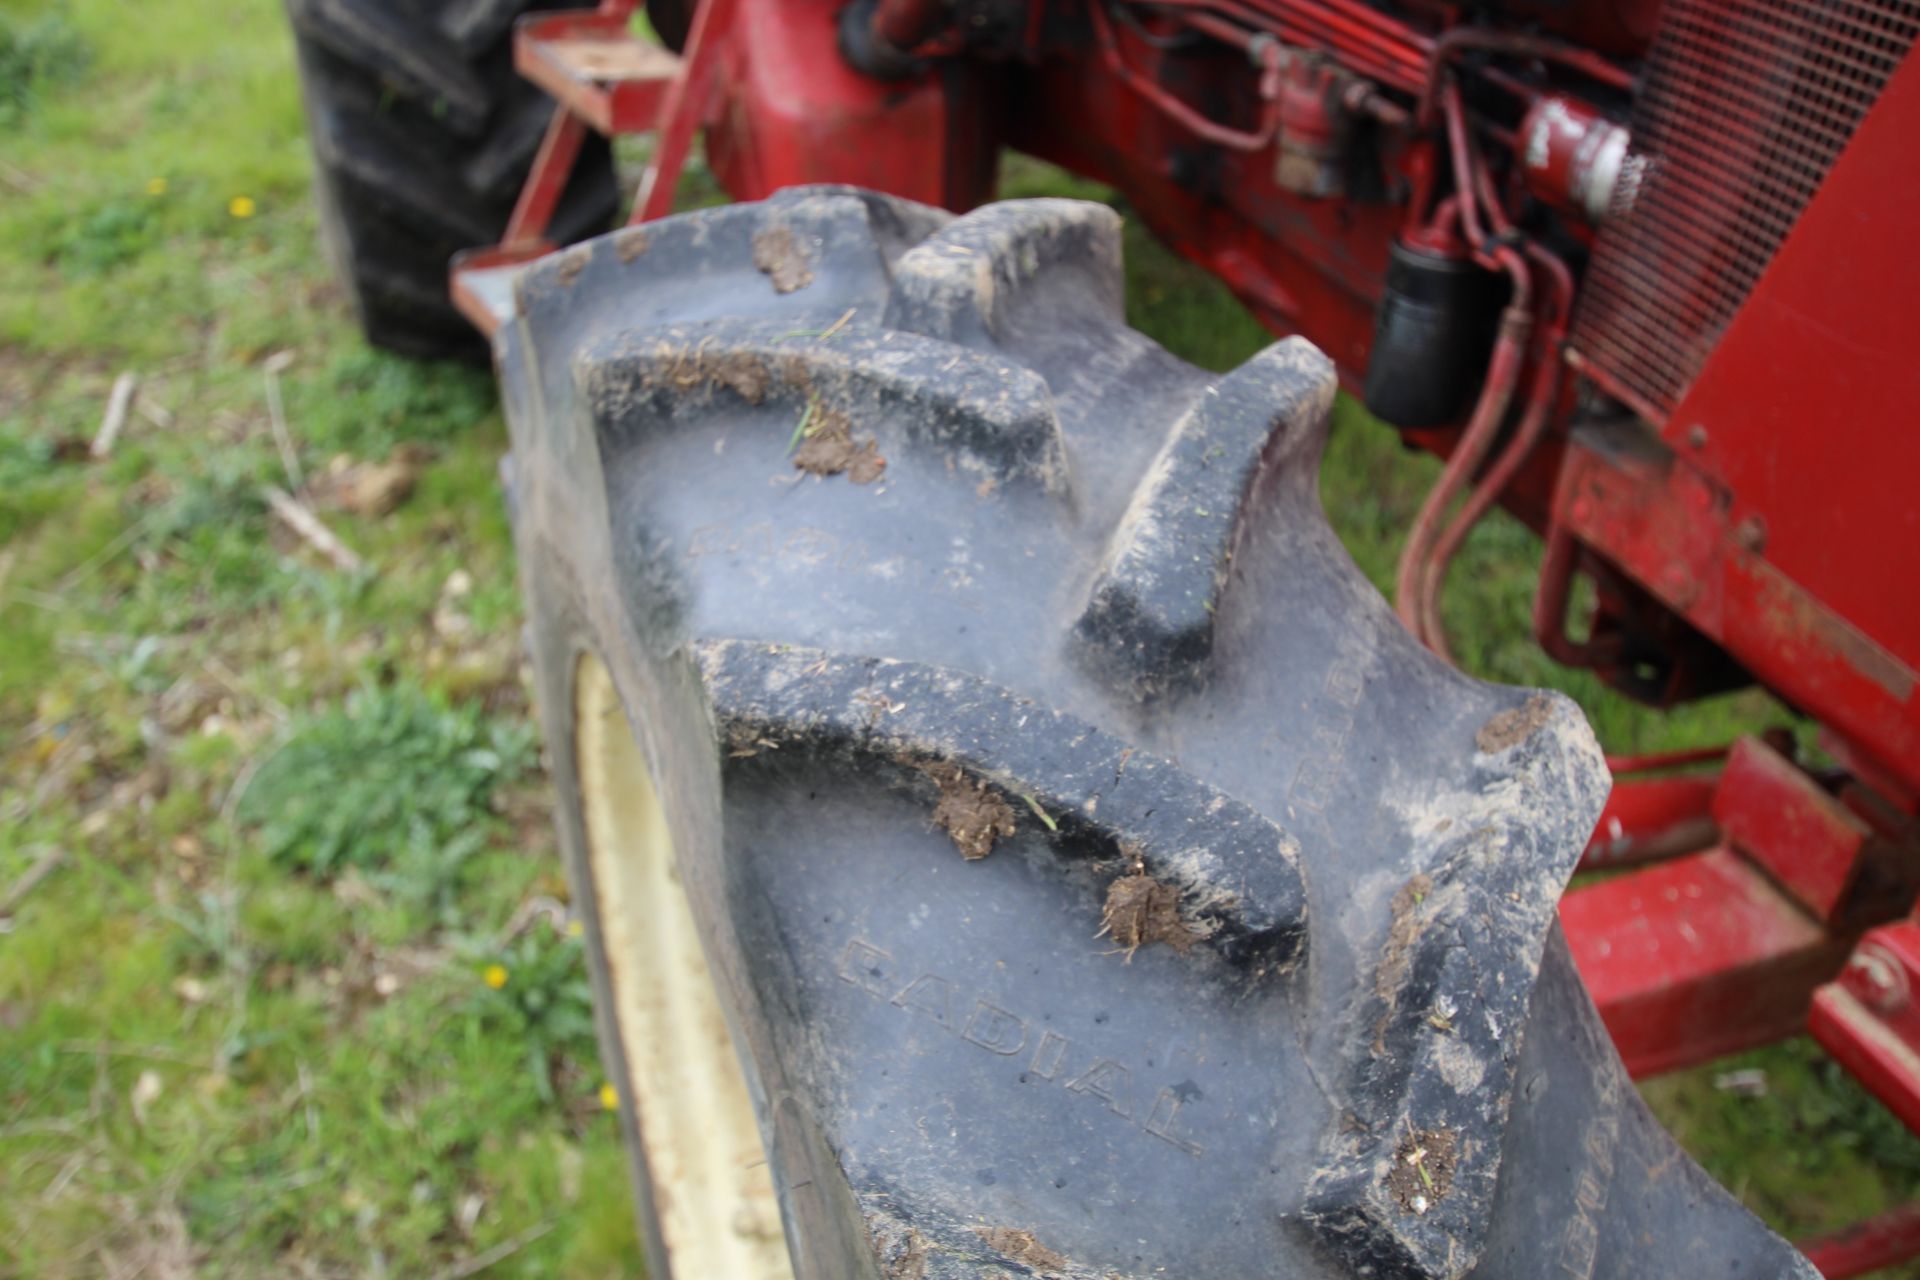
(1237, 869)
(421, 134)
(964, 282)
(1153, 606)
(1142, 637)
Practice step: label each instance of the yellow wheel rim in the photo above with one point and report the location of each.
(712, 1189)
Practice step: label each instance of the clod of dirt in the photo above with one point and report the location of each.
(71, 449)
(1141, 910)
(1021, 1246)
(911, 1262)
(745, 741)
(778, 252)
(628, 245)
(745, 374)
(1422, 1172)
(571, 264)
(369, 488)
(970, 812)
(1514, 725)
(741, 372)
(1396, 957)
(829, 449)
(378, 490)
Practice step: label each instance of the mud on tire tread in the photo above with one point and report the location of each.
(1259, 973)
(422, 134)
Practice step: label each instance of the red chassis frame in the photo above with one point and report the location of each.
(1764, 521)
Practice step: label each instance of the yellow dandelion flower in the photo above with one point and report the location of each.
(156, 186)
(575, 928)
(241, 207)
(494, 975)
(609, 1097)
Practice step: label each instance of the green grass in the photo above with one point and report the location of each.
(245, 1024)
(246, 1021)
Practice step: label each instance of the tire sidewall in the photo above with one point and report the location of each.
(662, 694)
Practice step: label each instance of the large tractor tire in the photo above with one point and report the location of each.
(422, 134)
(1014, 838)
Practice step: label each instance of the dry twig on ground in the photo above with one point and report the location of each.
(119, 400)
(295, 515)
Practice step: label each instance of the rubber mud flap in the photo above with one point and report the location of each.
(1095, 878)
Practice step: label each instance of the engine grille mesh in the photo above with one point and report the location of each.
(1744, 107)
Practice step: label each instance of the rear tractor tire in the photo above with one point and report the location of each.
(1014, 838)
(422, 135)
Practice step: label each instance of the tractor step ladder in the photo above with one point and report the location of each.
(596, 68)
(602, 77)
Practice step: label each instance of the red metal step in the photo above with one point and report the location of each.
(1696, 958)
(595, 67)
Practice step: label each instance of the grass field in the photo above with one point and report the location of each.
(296, 994)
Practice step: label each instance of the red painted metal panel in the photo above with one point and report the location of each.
(689, 102)
(1875, 1053)
(591, 63)
(1869, 1022)
(1696, 958)
(1806, 839)
(795, 112)
(1805, 409)
(1623, 27)
(1868, 1246)
(1662, 520)
(481, 282)
(1651, 818)
(546, 182)
(1301, 264)
(1830, 630)
(1742, 109)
